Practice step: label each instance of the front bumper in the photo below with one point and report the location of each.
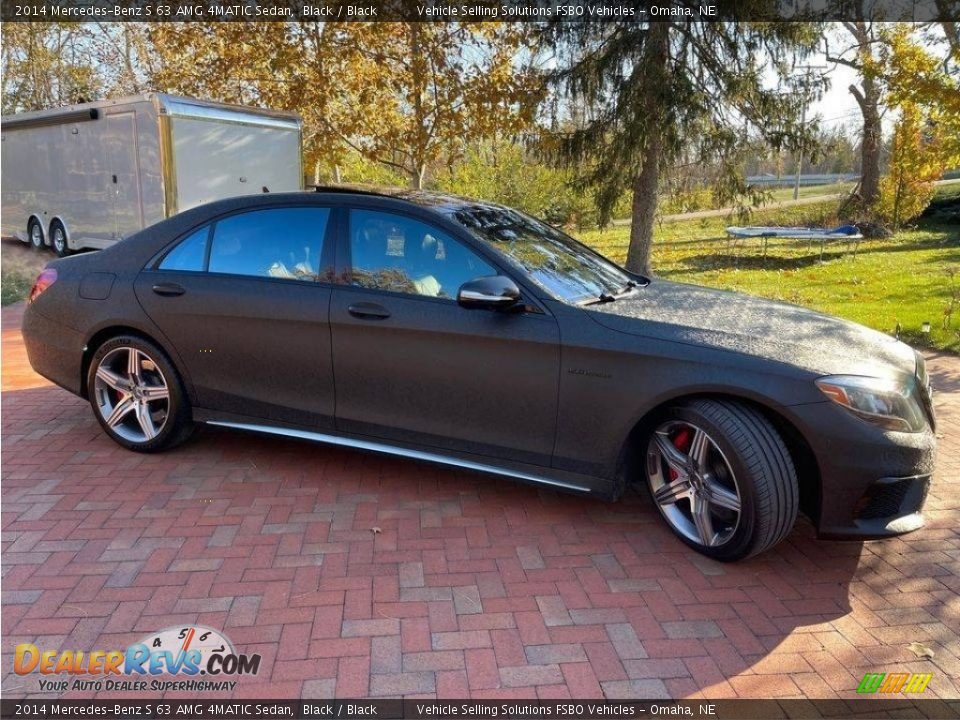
(872, 483)
(55, 351)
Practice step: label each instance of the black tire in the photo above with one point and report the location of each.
(178, 421)
(763, 475)
(35, 234)
(58, 239)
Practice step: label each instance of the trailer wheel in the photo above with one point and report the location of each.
(59, 236)
(35, 233)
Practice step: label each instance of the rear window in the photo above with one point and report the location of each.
(281, 243)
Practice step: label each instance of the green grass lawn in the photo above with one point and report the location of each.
(14, 286)
(898, 280)
(19, 266)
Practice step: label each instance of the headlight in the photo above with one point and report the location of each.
(889, 404)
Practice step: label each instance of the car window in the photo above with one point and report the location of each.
(556, 262)
(400, 254)
(277, 243)
(190, 254)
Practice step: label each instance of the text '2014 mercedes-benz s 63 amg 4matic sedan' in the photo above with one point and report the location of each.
(470, 334)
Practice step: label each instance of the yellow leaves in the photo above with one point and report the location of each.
(915, 165)
(402, 94)
(927, 134)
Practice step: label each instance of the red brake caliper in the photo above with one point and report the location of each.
(681, 441)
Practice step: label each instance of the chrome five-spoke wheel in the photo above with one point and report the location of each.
(132, 395)
(693, 484)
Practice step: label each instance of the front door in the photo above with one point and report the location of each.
(413, 366)
(243, 303)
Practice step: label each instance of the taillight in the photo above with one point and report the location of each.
(44, 280)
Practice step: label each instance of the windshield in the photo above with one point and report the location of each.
(556, 262)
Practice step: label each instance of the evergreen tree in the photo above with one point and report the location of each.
(646, 91)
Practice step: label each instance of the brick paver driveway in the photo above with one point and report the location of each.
(355, 574)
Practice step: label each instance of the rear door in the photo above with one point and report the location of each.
(245, 302)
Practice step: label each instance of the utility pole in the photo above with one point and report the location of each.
(807, 73)
(803, 122)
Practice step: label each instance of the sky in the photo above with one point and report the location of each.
(837, 107)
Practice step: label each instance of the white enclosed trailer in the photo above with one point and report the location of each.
(89, 175)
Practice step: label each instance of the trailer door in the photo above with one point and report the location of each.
(123, 170)
(218, 159)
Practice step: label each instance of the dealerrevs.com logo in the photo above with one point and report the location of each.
(188, 652)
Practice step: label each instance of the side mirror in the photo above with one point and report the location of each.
(489, 293)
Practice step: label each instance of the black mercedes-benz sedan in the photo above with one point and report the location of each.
(467, 333)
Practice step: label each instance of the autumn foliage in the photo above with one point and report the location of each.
(926, 139)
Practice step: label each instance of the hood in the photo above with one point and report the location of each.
(777, 331)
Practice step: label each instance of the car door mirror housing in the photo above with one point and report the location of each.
(495, 292)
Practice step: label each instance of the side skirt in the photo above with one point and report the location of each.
(403, 452)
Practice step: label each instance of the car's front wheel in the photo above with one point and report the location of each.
(722, 478)
(137, 395)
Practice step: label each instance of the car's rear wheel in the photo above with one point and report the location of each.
(35, 233)
(137, 396)
(58, 238)
(722, 478)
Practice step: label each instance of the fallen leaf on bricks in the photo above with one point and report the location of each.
(920, 650)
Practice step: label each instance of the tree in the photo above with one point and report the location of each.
(47, 65)
(654, 89)
(926, 139)
(869, 54)
(402, 94)
(120, 51)
(865, 60)
(288, 66)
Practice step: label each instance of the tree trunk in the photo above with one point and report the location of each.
(950, 27)
(868, 98)
(644, 207)
(418, 71)
(869, 102)
(647, 183)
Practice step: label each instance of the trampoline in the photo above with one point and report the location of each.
(848, 233)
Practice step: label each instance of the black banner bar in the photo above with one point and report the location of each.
(470, 10)
(867, 709)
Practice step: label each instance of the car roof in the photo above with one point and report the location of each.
(444, 204)
(437, 201)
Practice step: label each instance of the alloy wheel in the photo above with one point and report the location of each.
(693, 484)
(36, 236)
(132, 395)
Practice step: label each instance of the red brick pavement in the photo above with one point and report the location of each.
(471, 584)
